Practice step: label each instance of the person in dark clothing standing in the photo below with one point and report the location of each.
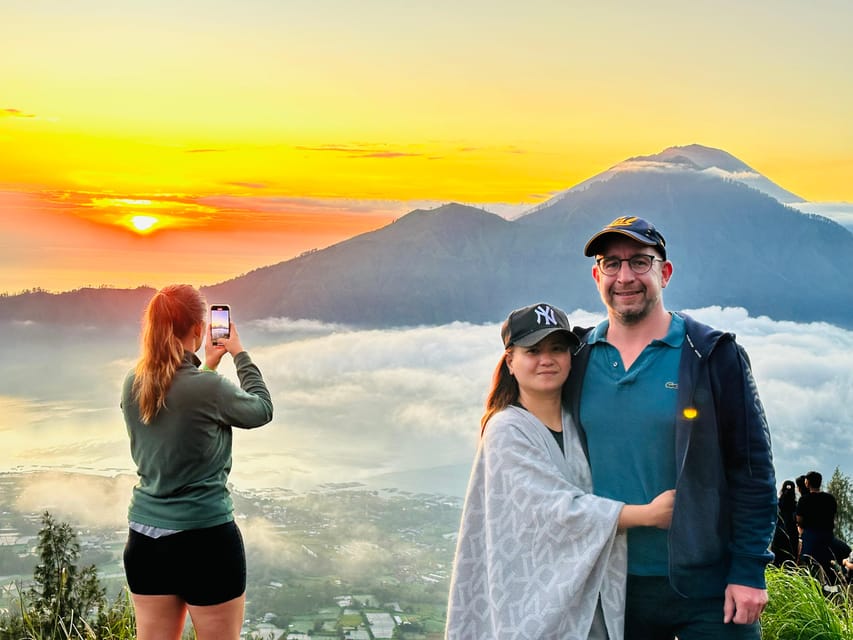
(816, 517)
(786, 539)
(801, 487)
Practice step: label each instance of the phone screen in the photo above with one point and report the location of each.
(220, 322)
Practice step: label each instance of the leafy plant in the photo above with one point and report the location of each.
(841, 487)
(65, 602)
(799, 607)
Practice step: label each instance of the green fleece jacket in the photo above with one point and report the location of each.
(183, 457)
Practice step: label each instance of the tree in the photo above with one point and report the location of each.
(841, 488)
(63, 595)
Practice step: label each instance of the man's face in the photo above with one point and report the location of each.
(630, 297)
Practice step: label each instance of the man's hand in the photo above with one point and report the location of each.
(743, 604)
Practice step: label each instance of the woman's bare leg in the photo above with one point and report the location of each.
(219, 621)
(159, 617)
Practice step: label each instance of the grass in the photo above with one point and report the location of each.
(116, 622)
(800, 609)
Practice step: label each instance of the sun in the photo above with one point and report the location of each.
(144, 224)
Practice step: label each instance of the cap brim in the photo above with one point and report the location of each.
(589, 249)
(538, 336)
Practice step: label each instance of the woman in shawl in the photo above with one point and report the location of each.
(538, 556)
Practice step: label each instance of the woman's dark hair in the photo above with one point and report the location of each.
(801, 485)
(503, 392)
(169, 317)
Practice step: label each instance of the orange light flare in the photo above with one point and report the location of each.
(146, 216)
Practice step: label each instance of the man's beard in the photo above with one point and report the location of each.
(633, 315)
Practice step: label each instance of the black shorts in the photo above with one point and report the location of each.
(201, 566)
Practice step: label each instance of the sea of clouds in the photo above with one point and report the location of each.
(393, 407)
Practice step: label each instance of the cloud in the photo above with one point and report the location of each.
(358, 151)
(248, 185)
(15, 113)
(840, 212)
(287, 205)
(86, 500)
(387, 154)
(354, 405)
(742, 176)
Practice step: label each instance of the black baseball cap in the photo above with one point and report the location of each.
(633, 227)
(527, 326)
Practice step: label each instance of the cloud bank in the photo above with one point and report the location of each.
(841, 212)
(371, 406)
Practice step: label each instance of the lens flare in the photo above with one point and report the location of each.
(691, 413)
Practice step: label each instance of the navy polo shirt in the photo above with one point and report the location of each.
(629, 419)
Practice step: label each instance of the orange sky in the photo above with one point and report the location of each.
(246, 133)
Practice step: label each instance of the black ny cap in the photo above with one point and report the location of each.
(527, 326)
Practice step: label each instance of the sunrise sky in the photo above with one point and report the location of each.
(158, 141)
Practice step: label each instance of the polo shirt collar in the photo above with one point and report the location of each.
(674, 336)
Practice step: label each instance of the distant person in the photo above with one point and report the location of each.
(538, 556)
(184, 551)
(816, 516)
(665, 401)
(802, 489)
(785, 545)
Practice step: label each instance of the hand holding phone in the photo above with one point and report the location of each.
(220, 322)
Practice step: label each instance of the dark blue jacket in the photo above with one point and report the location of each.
(725, 503)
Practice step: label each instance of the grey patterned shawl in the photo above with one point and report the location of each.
(535, 547)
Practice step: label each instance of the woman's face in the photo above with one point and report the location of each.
(542, 368)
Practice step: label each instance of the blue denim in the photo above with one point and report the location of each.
(654, 611)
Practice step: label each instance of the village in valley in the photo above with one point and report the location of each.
(341, 561)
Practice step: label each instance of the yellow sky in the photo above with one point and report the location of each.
(321, 119)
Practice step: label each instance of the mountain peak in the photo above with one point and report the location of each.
(690, 158)
(699, 156)
(452, 213)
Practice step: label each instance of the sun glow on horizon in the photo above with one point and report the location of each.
(144, 224)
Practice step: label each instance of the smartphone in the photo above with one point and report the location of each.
(220, 322)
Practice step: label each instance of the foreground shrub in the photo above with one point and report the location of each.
(800, 608)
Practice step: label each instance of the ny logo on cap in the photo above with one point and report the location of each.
(545, 313)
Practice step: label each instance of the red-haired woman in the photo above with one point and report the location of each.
(184, 551)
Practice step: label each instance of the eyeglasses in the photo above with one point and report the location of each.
(640, 263)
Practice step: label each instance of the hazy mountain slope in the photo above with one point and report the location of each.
(731, 245)
(94, 307)
(427, 267)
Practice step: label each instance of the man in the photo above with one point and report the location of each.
(664, 402)
(816, 517)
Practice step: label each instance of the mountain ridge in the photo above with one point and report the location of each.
(731, 245)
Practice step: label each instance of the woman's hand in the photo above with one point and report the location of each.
(657, 513)
(212, 352)
(232, 344)
(660, 510)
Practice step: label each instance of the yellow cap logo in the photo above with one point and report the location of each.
(624, 221)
